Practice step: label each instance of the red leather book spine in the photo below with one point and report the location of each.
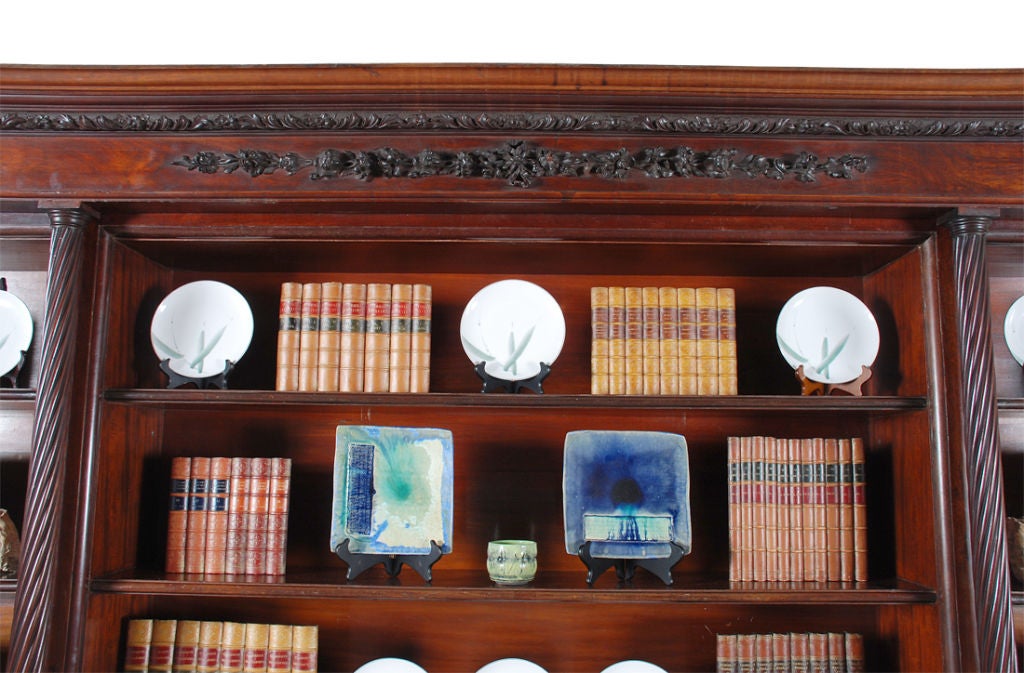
(217, 515)
(420, 327)
(177, 517)
(277, 515)
(256, 517)
(289, 316)
(235, 548)
(400, 351)
(195, 545)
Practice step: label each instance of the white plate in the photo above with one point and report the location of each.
(1013, 330)
(200, 325)
(390, 665)
(511, 666)
(634, 666)
(828, 331)
(512, 326)
(15, 331)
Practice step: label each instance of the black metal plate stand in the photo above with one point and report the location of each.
(175, 380)
(357, 563)
(534, 383)
(626, 568)
(11, 377)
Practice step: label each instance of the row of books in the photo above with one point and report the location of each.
(790, 652)
(228, 515)
(797, 509)
(189, 646)
(354, 337)
(663, 341)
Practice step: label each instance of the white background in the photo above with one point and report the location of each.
(857, 33)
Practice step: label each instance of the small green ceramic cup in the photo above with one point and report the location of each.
(512, 562)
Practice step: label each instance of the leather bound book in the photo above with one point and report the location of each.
(780, 653)
(376, 354)
(177, 516)
(725, 653)
(238, 525)
(186, 646)
(687, 299)
(836, 653)
(309, 337)
(232, 643)
(598, 341)
(763, 653)
(217, 515)
(277, 517)
(845, 479)
(775, 510)
(820, 489)
(634, 341)
(807, 497)
(305, 648)
(798, 653)
(279, 649)
(854, 648)
(137, 643)
(617, 340)
(208, 652)
(289, 317)
(727, 361)
(258, 503)
(329, 340)
(400, 354)
(420, 328)
(832, 531)
(651, 353)
(817, 653)
(733, 460)
(195, 538)
(161, 649)
(746, 509)
(353, 338)
(746, 653)
(254, 654)
(668, 339)
(860, 514)
(796, 519)
(707, 341)
(759, 510)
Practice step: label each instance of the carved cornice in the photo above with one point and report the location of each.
(522, 165)
(504, 122)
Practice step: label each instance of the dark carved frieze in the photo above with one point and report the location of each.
(522, 165)
(531, 122)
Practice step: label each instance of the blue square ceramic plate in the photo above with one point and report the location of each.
(392, 489)
(626, 492)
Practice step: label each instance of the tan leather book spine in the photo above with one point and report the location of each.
(277, 515)
(725, 653)
(400, 353)
(651, 315)
(746, 652)
(195, 539)
(329, 342)
(854, 648)
(759, 510)
(746, 509)
(279, 649)
(208, 652)
(186, 646)
(289, 318)
(820, 513)
(217, 516)
(860, 514)
(137, 644)
(845, 479)
(707, 341)
(257, 507)
(634, 341)
(161, 649)
(376, 355)
(778, 565)
(309, 337)
(762, 653)
(617, 340)
(232, 643)
(798, 653)
(254, 655)
(796, 521)
(780, 653)
(733, 461)
(807, 496)
(238, 525)
(420, 328)
(817, 652)
(305, 648)
(353, 338)
(177, 515)
(728, 383)
(687, 300)
(832, 531)
(771, 510)
(668, 339)
(836, 652)
(599, 341)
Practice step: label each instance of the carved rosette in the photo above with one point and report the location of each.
(30, 631)
(521, 164)
(983, 461)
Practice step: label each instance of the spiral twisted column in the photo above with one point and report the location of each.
(33, 605)
(986, 511)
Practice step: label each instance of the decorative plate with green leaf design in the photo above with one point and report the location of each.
(15, 331)
(201, 326)
(512, 326)
(828, 331)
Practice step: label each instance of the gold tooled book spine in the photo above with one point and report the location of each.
(707, 341)
(217, 515)
(177, 516)
(186, 646)
(195, 538)
(820, 511)
(400, 351)
(651, 349)
(845, 482)
(279, 649)
(232, 643)
(289, 318)
(235, 547)
(353, 338)
(139, 638)
(599, 341)
(309, 337)
(807, 499)
(860, 513)
(420, 328)
(305, 648)
(329, 343)
(617, 340)
(728, 383)
(376, 354)
(208, 652)
(687, 299)
(668, 340)
(759, 510)
(634, 342)
(161, 649)
(735, 549)
(771, 512)
(254, 654)
(277, 515)
(256, 511)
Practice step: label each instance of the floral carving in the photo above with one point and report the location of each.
(520, 164)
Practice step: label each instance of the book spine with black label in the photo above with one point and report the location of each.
(137, 645)
(289, 318)
(759, 510)
(353, 338)
(651, 349)
(832, 530)
(420, 328)
(195, 539)
(617, 340)
(820, 511)
(238, 525)
(376, 355)
(762, 653)
(746, 652)
(599, 341)
(707, 341)
(277, 516)
(217, 515)
(846, 557)
(836, 652)
(309, 337)
(329, 340)
(400, 354)
(733, 461)
(747, 509)
(796, 524)
(177, 517)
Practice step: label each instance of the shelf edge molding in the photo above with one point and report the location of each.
(986, 512)
(34, 601)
